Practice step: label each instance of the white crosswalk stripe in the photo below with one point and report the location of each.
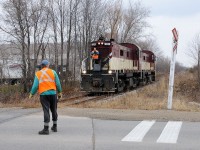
(169, 134)
(138, 133)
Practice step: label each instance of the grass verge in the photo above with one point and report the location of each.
(151, 97)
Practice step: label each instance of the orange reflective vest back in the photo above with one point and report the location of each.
(46, 80)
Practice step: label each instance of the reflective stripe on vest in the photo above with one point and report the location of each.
(44, 72)
(46, 80)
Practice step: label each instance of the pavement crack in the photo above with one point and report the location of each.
(93, 135)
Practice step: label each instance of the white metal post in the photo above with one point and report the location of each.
(171, 79)
(172, 69)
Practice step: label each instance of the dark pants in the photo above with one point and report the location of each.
(49, 102)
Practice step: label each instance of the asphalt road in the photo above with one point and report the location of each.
(19, 131)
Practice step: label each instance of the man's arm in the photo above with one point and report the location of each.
(91, 53)
(58, 85)
(35, 86)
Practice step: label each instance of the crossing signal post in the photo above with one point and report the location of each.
(172, 68)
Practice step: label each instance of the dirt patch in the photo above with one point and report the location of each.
(131, 115)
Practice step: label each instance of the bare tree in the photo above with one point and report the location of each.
(162, 65)
(16, 26)
(114, 14)
(39, 21)
(151, 44)
(61, 27)
(71, 11)
(194, 53)
(75, 38)
(26, 23)
(91, 24)
(86, 24)
(54, 20)
(134, 22)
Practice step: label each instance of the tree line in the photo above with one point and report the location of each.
(61, 30)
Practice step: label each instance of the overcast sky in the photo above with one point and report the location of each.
(184, 15)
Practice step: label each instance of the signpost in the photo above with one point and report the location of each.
(172, 68)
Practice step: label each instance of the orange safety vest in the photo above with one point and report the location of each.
(46, 80)
(95, 56)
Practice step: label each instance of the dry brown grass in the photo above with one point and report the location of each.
(150, 97)
(24, 103)
(137, 101)
(12, 95)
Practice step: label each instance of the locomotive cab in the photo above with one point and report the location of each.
(103, 50)
(97, 77)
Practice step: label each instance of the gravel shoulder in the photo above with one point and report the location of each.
(133, 115)
(107, 114)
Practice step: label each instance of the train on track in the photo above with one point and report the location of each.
(114, 67)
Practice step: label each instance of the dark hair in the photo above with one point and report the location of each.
(42, 65)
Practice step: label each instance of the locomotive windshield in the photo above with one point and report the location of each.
(101, 61)
(103, 52)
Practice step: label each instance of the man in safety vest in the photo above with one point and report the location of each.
(95, 54)
(46, 82)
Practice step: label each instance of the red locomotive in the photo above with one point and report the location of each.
(113, 67)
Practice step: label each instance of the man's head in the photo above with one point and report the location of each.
(44, 63)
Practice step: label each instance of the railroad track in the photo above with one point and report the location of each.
(82, 99)
(71, 98)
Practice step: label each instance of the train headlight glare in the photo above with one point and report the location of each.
(110, 71)
(93, 44)
(84, 71)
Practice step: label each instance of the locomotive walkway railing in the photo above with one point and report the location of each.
(84, 65)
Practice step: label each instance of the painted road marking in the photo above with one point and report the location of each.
(170, 132)
(138, 133)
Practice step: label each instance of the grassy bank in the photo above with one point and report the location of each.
(154, 96)
(13, 96)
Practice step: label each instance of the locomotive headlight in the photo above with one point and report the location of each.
(110, 71)
(84, 71)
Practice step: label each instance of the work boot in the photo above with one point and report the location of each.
(54, 128)
(45, 131)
